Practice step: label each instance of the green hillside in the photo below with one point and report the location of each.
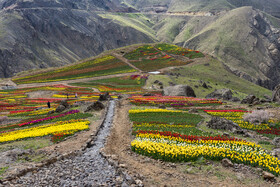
(193, 69)
(213, 73)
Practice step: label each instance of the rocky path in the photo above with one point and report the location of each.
(89, 168)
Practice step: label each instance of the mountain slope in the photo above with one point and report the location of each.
(52, 36)
(181, 67)
(245, 41)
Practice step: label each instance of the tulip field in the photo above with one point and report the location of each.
(178, 102)
(173, 135)
(107, 65)
(176, 50)
(127, 84)
(149, 58)
(42, 122)
(236, 116)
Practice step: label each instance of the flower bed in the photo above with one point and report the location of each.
(62, 126)
(172, 101)
(176, 151)
(117, 84)
(160, 136)
(176, 50)
(237, 117)
(107, 65)
(163, 116)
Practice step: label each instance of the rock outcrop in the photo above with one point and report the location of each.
(95, 106)
(62, 106)
(276, 94)
(225, 94)
(104, 97)
(224, 124)
(251, 100)
(179, 90)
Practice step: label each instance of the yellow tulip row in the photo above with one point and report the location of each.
(152, 110)
(161, 125)
(62, 126)
(170, 139)
(237, 117)
(63, 96)
(173, 152)
(227, 114)
(40, 112)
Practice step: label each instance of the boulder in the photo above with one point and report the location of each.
(95, 106)
(104, 97)
(276, 94)
(267, 97)
(251, 100)
(225, 94)
(204, 85)
(227, 163)
(268, 176)
(51, 112)
(276, 153)
(265, 100)
(179, 90)
(276, 141)
(64, 103)
(162, 106)
(60, 108)
(224, 124)
(235, 99)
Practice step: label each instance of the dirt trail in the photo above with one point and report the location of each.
(120, 57)
(66, 82)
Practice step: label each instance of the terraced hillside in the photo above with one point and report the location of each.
(54, 123)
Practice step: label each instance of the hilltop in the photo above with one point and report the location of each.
(194, 68)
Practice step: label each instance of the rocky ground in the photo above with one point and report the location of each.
(116, 165)
(88, 168)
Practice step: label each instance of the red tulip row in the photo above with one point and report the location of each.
(190, 137)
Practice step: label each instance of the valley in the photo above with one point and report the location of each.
(139, 93)
(159, 131)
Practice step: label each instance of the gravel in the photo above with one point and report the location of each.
(89, 168)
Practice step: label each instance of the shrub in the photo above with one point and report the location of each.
(257, 117)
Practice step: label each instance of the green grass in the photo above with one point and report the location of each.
(165, 118)
(206, 71)
(3, 170)
(168, 28)
(115, 84)
(133, 20)
(35, 143)
(200, 6)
